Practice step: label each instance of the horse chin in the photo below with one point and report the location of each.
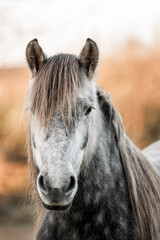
(57, 207)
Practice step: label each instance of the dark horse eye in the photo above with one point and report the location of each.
(88, 110)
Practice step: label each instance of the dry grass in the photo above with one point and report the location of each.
(132, 77)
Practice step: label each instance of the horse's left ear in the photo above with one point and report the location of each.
(35, 56)
(89, 57)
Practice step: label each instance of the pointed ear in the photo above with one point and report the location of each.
(35, 56)
(89, 57)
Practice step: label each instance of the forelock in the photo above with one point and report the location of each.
(55, 88)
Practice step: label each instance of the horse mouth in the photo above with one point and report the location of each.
(57, 207)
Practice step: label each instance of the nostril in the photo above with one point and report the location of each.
(72, 185)
(42, 183)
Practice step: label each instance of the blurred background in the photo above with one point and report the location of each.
(128, 36)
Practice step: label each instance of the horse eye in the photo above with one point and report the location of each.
(88, 110)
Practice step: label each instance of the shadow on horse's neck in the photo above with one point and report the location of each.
(103, 174)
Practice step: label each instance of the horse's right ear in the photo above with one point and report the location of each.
(35, 56)
(89, 57)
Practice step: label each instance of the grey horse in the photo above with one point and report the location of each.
(88, 180)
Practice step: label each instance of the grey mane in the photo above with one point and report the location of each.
(138, 171)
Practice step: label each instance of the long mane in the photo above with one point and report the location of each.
(143, 181)
(32, 188)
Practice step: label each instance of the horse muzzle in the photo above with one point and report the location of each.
(54, 198)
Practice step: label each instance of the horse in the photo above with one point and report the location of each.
(88, 180)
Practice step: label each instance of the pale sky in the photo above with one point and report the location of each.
(64, 25)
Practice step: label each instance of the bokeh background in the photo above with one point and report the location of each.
(128, 36)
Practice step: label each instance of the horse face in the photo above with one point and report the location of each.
(58, 153)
